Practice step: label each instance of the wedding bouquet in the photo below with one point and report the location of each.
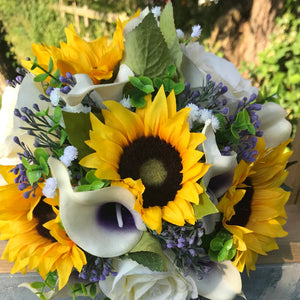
(141, 167)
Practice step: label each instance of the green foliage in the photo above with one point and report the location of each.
(221, 247)
(91, 182)
(148, 252)
(40, 287)
(78, 131)
(278, 71)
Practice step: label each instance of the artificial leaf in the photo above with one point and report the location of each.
(179, 88)
(78, 131)
(93, 291)
(35, 63)
(148, 243)
(26, 163)
(205, 206)
(137, 100)
(44, 166)
(33, 176)
(63, 137)
(50, 65)
(151, 260)
(54, 78)
(146, 51)
(57, 114)
(40, 153)
(53, 128)
(41, 77)
(37, 285)
(168, 29)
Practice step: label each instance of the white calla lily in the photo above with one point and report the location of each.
(24, 95)
(100, 92)
(222, 166)
(222, 282)
(98, 220)
(275, 127)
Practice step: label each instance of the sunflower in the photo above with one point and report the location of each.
(31, 245)
(253, 207)
(97, 58)
(153, 145)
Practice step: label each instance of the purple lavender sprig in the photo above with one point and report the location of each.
(96, 269)
(185, 242)
(208, 97)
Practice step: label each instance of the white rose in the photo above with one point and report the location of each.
(275, 127)
(24, 95)
(136, 282)
(221, 70)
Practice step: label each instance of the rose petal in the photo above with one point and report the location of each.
(275, 127)
(89, 220)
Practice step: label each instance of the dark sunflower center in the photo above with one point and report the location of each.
(243, 208)
(44, 213)
(159, 166)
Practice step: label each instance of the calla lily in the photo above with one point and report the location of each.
(222, 282)
(98, 220)
(219, 176)
(274, 125)
(23, 95)
(101, 92)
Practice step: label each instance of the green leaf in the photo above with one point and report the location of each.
(171, 70)
(53, 127)
(83, 188)
(179, 88)
(78, 131)
(222, 122)
(57, 114)
(63, 137)
(97, 185)
(41, 77)
(40, 153)
(151, 260)
(216, 245)
(56, 74)
(35, 63)
(50, 65)
(205, 206)
(222, 254)
(83, 288)
(228, 244)
(44, 166)
(137, 100)
(26, 164)
(37, 285)
(158, 82)
(146, 80)
(168, 29)
(33, 176)
(90, 176)
(148, 243)
(146, 51)
(93, 291)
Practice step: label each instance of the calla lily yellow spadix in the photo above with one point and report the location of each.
(94, 219)
(155, 138)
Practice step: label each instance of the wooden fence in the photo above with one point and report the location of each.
(87, 14)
